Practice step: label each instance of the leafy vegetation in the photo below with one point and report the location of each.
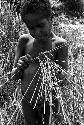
(11, 28)
(73, 7)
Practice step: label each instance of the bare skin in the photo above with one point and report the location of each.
(33, 50)
(40, 40)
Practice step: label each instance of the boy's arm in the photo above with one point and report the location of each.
(18, 53)
(62, 59)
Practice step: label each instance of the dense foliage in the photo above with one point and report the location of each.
(73, 7)
(11, 28)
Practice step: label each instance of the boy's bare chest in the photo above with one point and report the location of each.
(34, 50)
(33, 67)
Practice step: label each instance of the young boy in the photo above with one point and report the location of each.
(37, 16)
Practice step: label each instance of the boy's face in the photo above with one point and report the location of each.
(39, 27)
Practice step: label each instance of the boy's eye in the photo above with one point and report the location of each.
(40, 25)
(37, 26)
(31, 28)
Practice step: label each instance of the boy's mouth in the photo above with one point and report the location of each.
(41, 37)
(44, 36)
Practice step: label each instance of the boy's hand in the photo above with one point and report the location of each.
(23, 62)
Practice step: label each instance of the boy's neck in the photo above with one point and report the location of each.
(44, 42)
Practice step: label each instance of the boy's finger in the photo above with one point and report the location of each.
(22, 57)
(22, 66)
(28, 56)
(25, 58)
(20, 61)
(19, 65)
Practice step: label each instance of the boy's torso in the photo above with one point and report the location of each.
(29, 73)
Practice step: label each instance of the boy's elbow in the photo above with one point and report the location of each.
(63, 66)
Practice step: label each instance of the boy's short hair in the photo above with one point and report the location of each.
(36, 6)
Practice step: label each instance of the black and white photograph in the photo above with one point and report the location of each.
(41, 62)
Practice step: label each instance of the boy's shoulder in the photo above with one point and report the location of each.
(59, 40)
(25, 37)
